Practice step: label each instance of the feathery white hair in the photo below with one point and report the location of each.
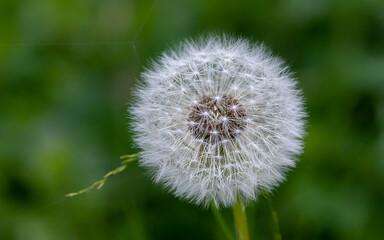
(218, 118)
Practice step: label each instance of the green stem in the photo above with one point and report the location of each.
(220, 220)
(275, 220)
(99, 184)
(240, 220)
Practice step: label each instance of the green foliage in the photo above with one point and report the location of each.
(67, 69)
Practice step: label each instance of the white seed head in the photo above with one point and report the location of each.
(218, 119)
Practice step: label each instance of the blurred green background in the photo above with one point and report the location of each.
(67, 69)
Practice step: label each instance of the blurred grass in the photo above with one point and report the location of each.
(67, 69)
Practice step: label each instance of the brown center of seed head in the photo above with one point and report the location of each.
(217, 119)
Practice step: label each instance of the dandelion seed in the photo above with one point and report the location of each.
(228, 139)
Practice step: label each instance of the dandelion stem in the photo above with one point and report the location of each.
(240, 218)
(99, 184)
(220, 219)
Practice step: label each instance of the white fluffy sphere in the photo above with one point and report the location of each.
(218, 118)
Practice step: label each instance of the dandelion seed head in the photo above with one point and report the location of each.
(218, 118)
(209, 112)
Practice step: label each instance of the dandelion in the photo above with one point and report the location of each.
(219, 119)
